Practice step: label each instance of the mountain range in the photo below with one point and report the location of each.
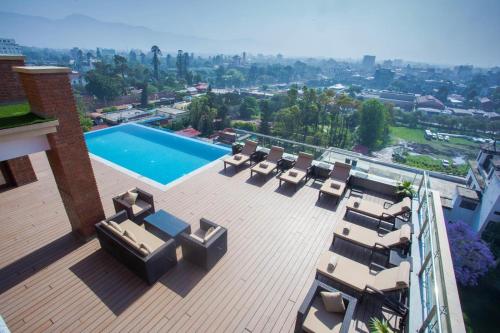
(86, 32)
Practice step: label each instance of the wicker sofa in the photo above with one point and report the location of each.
(202, 251)
(149, 262)
(143, 206)
(313, 317)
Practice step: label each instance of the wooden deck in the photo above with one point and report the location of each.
(51, 282)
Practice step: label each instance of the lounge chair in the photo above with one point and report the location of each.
(270, 164)
(386, 211)
(301, 170)
(243, 157)
(205, 246)
(314, 317)
(337, 183)
(360, 279)
(371, 239)
(137, 203)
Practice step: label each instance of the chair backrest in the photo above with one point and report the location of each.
(304, 161)
(275, 154)
(400, 207)
(341, 171)
(249, 148)
(395, 278)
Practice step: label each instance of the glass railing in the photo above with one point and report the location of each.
(431, 276)
(389, 171)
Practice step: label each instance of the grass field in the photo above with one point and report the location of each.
(433, 151)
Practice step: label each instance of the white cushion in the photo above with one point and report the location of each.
(333, 301)
(116, 226)
(130, 197)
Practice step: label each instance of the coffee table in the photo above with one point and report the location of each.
(165, 225)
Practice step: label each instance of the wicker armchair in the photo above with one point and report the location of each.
(322, 320)
(202, 251)
(143, 206)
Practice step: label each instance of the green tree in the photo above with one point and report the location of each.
(103, 86)
(156, 61)
(120, 65)
(265, 117)
(249, 107)
(201, 115)
(144, 95)
(373, 127)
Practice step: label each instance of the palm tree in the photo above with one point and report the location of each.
(156, 60)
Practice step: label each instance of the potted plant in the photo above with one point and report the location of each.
(405, 189)
(379, 326)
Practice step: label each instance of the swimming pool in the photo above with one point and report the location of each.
(160, 156)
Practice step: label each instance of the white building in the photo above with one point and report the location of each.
(8, 46)
(479, 202)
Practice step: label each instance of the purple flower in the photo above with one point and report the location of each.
(471, 256)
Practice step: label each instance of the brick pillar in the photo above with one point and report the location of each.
(11, 90)
(50, 95)
(21, 170)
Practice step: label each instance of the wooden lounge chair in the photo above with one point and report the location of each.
(300, 170)
(371, 239)
(360, 279)
(313, 316)
(270, 164)
(386, 211)
(337, 183)
(241, 158)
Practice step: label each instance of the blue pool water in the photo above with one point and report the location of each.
(157, 155)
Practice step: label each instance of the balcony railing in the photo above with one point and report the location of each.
(440, 304)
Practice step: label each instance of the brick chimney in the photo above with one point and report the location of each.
(50, 95)
(11, 91)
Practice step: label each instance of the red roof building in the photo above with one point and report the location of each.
(188, 132)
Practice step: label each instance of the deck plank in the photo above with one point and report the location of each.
(49, 281)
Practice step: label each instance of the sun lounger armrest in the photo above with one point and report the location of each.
(376, 265)
(377, 244)
(373, 289)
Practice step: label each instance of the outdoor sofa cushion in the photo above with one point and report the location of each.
(319, 320)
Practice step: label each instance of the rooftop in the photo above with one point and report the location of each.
(50, 281)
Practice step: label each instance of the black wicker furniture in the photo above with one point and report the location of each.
(205, 246)
(165, 225)
(143, 253)
(313, 316)
(138, 210)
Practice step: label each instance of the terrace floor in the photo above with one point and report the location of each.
(49, 281)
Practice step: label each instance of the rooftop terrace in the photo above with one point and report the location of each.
(50, 281)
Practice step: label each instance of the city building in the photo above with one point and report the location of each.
(383, 77)
(8, 46)
(400, 100)
(429, 101)
(368, 62)
(479, 203)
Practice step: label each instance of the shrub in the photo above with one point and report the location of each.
(247, 126)
(471, 256)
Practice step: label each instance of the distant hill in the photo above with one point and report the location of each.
(87, 32)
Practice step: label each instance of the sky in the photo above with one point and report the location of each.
(432, 31)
